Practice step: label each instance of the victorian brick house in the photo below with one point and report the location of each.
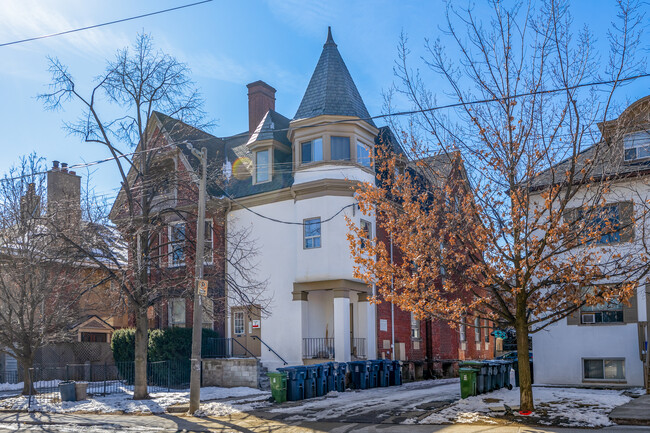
(289, 183)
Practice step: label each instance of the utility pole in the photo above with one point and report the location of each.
(197, 323)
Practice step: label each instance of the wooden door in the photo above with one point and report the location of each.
(246, 324)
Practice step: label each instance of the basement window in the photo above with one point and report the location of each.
(604, 369)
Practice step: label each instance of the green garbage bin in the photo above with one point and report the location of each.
(468, 381)
(278, 386)
(481, 375)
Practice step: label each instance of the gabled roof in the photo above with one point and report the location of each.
(331, 89)
(273, 126)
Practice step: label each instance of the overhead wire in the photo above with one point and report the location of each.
(94, 26)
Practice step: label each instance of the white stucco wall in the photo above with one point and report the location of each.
(283, 260)
(559, 349)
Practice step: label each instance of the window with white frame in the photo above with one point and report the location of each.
(487, 330)
(262, 166)
(176, 312)
(604, 369)
(208, 245)
(340, 148)
(311, 151)
(477, 330)
(176, 244)
(238, 323)
(637, 145)
(311, 233)
(363, 154)
(415, 327)
(366, 226)
(461, 330)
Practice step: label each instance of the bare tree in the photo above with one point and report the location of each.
(527, 228)
(42, 279)
(159, 182)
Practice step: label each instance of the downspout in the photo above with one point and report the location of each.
(392, 306)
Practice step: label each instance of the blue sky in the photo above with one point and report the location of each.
(227, 44)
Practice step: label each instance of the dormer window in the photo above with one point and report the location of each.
(312, 151)
(340, 147)
(262, 166)
(637, 145)
(363, 154)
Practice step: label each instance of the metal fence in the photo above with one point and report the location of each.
(102, 379)
(358, 347)
(318, 348)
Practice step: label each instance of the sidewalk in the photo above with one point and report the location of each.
(635, 412)
(244, 423)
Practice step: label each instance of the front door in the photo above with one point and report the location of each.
(245, 325)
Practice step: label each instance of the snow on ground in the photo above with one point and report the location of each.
(18, 386)
(377, 402)
(572, 407)
(123, 402)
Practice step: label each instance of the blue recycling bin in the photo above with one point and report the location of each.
(360, 373)
(310, 381)
(396, 374)
(385, 368)
(328, 372)
(339, 370)
(375, 367)
(295, 382)
(321, 380)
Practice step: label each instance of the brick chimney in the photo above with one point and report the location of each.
(64, 195)
(261, 98)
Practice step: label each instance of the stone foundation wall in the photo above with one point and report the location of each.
(229, 373)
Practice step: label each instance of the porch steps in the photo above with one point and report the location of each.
(262, 379)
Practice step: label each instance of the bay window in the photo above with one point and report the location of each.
(312, 151)
(340, 148)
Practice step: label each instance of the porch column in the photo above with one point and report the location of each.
(342, 325)
(302, 298)
(367, 324)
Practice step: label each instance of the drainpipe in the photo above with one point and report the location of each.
(392, 306)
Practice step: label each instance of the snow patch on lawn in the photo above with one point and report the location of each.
(572, 407)
(123, 402)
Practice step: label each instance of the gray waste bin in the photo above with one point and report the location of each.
(67, 391)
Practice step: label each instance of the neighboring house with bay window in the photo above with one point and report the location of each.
(603, 345)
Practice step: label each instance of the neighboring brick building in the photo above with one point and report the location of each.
(433, 341)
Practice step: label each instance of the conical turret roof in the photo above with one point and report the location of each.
(331, 89)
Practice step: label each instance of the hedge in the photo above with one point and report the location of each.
(164, 344)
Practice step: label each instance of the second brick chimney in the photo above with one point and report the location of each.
(261, 98)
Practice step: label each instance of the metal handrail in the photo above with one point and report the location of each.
(269, 347)
(248, 351)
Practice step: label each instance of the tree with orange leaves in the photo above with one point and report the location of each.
(516, 226)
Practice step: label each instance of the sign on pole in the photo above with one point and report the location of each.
(203, 287)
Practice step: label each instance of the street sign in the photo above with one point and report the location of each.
(203, 287)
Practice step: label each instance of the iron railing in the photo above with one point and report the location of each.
(358, 347)
(225, 348)
(318, 348)
(104, 379)
(255, 337)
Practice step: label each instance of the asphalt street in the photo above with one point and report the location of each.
(247, 423)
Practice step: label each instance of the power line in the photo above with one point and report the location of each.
(104, 24)
(463, 104)
(287, 222)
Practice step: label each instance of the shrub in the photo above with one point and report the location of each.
(164, 344)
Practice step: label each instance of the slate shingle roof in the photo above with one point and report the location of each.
(331, 89)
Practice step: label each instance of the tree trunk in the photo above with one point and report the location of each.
(141, 346)
(28, 385)
(525, 383)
